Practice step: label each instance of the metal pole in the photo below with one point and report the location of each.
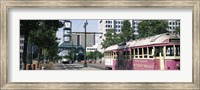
(85, 63)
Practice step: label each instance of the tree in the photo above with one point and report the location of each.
(111, 38)
(45, 37)
(177, 31)
(40, 33)
(97, 54)
(26, 26)
(152, 27)
(126, 31)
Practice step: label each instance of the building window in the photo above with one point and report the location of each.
(100, 21)
(118, 22)
(21, 41)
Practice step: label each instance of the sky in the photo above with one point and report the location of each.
(77, 26)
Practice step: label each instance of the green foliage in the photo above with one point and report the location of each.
(40, 33)
(94, 55)
(111, 38)
(98, 54)
(152, 27)
(26, 26)
(177, 30)
(126, 31)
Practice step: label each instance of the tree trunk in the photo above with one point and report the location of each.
(25, 50)
(39, 53)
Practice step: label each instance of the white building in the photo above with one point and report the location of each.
(105, 25)
(173, 24)
(21, 50)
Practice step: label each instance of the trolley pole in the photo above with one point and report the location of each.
(85, 63)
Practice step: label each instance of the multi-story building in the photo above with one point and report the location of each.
(105, 25)
(21, 50)
(173, 24)
(78, 38)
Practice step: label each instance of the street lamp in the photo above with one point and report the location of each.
(85, 63)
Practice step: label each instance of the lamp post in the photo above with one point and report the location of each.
(85, 63)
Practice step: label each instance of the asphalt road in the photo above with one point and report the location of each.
(78, 66)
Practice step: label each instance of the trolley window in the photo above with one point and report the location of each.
(132, 52)
(169, 51)
(150, 52)
(177, 50)
(145, 52)
(124, 54)
(158, 50)
(136, 53)
(140, 52)
(128, 55)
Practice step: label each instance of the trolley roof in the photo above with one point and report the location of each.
(157, 39)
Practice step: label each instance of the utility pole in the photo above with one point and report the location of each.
(85, 63)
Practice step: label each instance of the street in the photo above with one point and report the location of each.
(78, 66)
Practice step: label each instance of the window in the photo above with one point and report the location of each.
(132, 53)
(140, 52)
(177, 50)
(150, 52)
(21, 47)
(128, 54)
(124, 54)
(170, 23)
(169, 51)
(118, 22)
(136, 53)
(145, 52)
(100, 21)
(158, 50)
(114, 55)
(21, 41)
